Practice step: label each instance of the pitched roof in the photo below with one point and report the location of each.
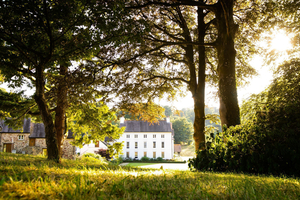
(141, 126)
(39, 132)
(7, 129)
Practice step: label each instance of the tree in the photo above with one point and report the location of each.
(149, 111)
(179, 47)
(183, 130)
(168, 111)
(40, 39)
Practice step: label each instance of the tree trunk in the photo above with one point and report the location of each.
(229, 109)
(61, 105)
(199, 94)
(51, 140)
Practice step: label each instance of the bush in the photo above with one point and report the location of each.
(159, 159)
(145, 158)
(268, 145)
(269, 142)
(117, 161)
(92, 156)
(103, 153)
(128, 159)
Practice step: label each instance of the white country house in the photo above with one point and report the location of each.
(146, 139)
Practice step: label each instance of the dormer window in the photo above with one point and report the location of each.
(21, 137)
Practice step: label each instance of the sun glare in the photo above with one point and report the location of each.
(281, 41)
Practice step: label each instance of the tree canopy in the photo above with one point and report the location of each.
(58, 49)
(183, 130)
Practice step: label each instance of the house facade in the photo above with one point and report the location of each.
(31, 140)
(145, 139)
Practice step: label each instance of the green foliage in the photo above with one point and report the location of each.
(269, 141)
(149, 111)
(117, 161)
(159, 159)
(168, 111)
(67, 52)
(183, 130)
(93, 158)
(92, 122)
(116, 149)
(145, 158)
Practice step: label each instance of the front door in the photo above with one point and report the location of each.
(97, 144)
(7, 147)
(31, 141)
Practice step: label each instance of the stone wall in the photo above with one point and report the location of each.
(68, 150)
(14, 138)
(33, 150)
(40, 142)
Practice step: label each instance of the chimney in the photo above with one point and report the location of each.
(122, 120)
(168, 119)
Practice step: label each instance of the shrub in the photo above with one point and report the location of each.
(145, 158)
(269, 142)
(128, 159)
(103, 153)
(268, 145)
(159, 159)
(92, 156)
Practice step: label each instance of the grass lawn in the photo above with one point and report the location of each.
(140, 164)
(30, 177)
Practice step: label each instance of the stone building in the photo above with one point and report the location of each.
(31, 140)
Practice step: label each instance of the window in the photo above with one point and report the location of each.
(154, 136)
(136, 145)
(154, 144)
(136, 136)
(145, 144)
(163, 154)
(127, 136)
(145, 153)
(127, 154)
(162, 136)
(127, 145)
(154, 154)
(21, 137)
(162, 144)
(135, 154)
(145, 135)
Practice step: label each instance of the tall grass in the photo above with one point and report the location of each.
(30, 177)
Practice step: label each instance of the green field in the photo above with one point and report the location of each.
(30, 177)
(139, 164)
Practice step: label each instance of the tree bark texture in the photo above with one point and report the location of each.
(61, 105)
(51, 140)
(229, 109)
(199, 91)
(197, 77)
